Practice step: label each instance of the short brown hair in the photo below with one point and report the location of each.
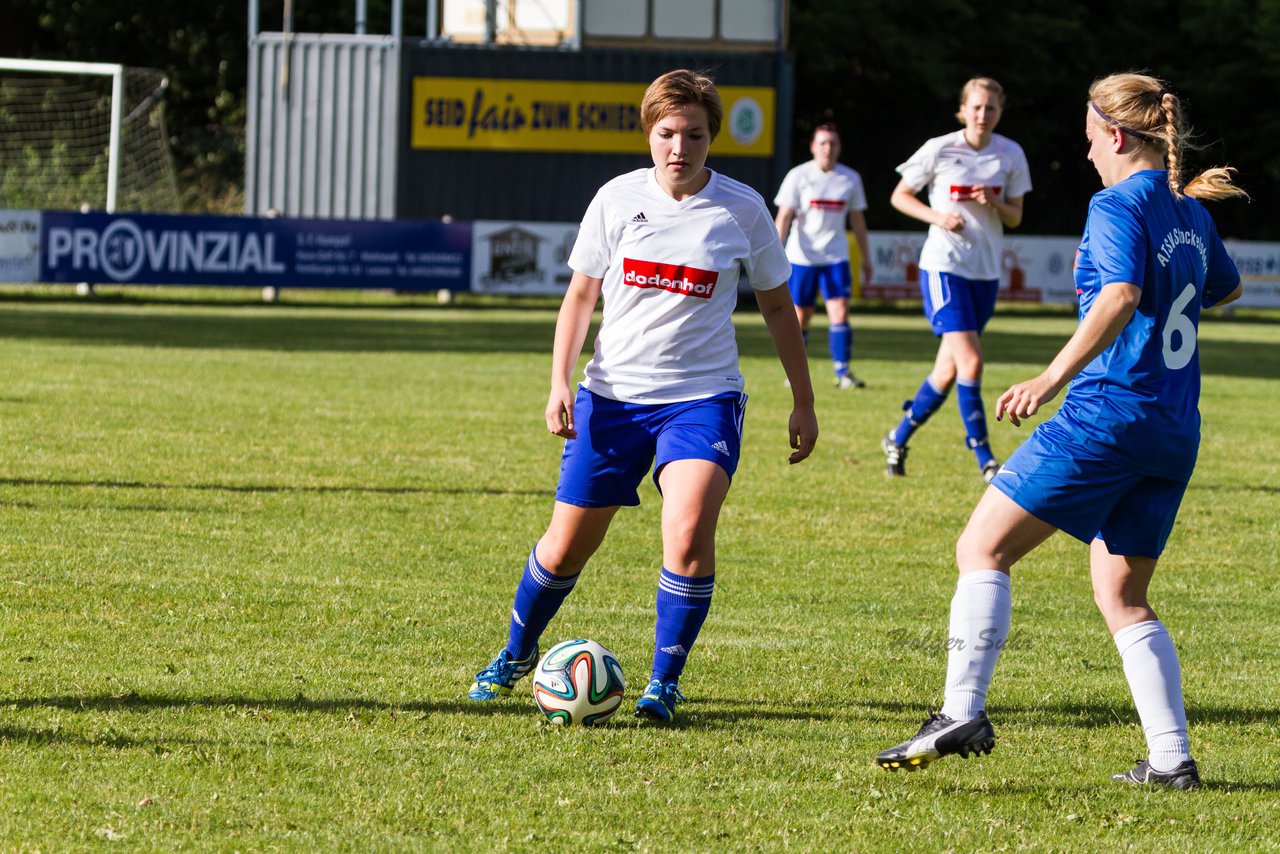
(681, 88)
(825, 127)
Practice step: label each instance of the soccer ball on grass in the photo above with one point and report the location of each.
(578, 682)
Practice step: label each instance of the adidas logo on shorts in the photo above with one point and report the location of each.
(721, 446)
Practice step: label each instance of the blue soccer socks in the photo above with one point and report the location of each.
(682, 607)
(969, 399)
(925, 403)
(538, 597)
(840, 343)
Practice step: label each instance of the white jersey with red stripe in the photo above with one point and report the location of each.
(952, 169)
(671, 271)
(822, 201)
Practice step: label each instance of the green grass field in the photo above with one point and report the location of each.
(252, 556)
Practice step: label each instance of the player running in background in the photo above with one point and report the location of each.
(665, 247)
(815, 202)
(1111, 466)
(976, 180)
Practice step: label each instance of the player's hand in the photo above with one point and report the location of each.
(952, 222)
(803, 427)
(868, 270)
(560, 412)
(980, 195)
(1025, 399)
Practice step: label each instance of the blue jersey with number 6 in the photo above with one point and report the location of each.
(1139, 398)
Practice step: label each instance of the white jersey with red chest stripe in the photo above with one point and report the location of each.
(822, 201)
(671, 271)
(951, 169)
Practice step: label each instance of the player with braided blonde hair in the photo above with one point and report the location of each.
(1111, 466)
(1140, 106)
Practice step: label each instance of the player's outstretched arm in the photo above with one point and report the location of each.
(571, 333)
(1109, 313)
(780, 318)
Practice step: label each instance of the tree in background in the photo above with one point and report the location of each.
(203, 48)
(888, 73)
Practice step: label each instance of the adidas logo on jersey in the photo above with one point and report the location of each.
(721, 446)
(640, 217)
(678, 649)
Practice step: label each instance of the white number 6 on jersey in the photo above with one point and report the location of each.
(1176, 358)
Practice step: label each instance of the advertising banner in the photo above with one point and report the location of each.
(1259, 266)
(1032, 269)
(568, 116)
(521, 257)
(156, 249)
(19, 246)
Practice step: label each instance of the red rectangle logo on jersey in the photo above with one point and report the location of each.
(827, 204)
(676, 278)
(966, 192)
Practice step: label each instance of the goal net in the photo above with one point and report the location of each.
(65, 144)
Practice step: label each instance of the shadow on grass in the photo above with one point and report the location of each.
(299, 703)
(1089, 715)
(115, 742)
(476, 333)
(1265, 488)
(265, 488)
(695, 716)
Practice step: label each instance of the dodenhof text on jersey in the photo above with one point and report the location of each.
(123, 249)
(676, 278)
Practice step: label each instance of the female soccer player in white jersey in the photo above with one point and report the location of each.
(665, 247)
(976, 180)
(1111, 466)
(815, 202)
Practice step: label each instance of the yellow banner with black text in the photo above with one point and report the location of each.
(568, 116)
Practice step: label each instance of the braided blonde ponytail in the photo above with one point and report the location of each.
(1141, 106)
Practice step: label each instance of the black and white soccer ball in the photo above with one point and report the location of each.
(578, 682)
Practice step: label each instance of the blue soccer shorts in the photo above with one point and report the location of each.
(619, 442)
(1091, 494)
(834, 280)
(956, 304)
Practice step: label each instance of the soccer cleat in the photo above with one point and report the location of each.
(849, 381)
(500, 676)
(940, 736)
(990, 470)
(1184, 776)
(895, 457)
(659, 701)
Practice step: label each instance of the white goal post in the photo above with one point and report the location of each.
(53, 128)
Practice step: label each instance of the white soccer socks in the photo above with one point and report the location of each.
(1155, 680)
(979, 627)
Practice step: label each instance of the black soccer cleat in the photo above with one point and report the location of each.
(990, 470)
(1184, 776)
(895, 457)
(940, 736)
